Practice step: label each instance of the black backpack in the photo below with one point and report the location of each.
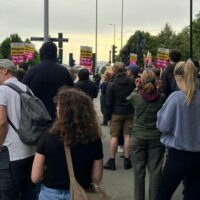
(35, 119)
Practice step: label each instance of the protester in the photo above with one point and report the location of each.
(23, 67)
(147, 150)
(133, 71)
(103, 88)
(77, 124)
(167, 78)
(85, 84)
(15, 157)
(179, 122)
(120, 113)
(97, 80)
(47, 77)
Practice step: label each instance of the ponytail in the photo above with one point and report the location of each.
(187, 71)
(148, 80)
(190, 80)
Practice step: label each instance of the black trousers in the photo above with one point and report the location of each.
(15, 182)
(180, 166)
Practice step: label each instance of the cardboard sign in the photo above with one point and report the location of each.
(133, 58)
(21, 52)
(86, 57)
(162, 58)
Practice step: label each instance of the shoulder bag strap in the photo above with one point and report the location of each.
(14, 87)
(19, 90)
(69, 160)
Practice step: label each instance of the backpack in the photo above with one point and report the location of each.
(35, 119)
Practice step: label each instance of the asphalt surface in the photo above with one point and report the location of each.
(119, 184)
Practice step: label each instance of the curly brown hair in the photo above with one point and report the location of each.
(77, 121)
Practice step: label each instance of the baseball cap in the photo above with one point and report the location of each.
(8, 64)
(134, 69)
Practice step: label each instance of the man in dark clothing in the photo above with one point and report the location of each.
(47, 77)
(85, 84)
(120, 113)
(167, 78)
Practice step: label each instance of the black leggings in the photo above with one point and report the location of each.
(180, 166)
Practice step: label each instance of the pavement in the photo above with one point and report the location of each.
(119, 184)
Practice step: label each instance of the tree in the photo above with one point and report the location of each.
(181, 42)
(166, 36)
(5, 45)
(15, 38)
(139, 43)
(196, 37)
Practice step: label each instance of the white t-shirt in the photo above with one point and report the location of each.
(11, 99)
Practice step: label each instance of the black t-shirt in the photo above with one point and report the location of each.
(56, 172)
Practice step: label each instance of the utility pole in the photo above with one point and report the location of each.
(96, 33)
(46, 20)
(191, 8)
(60, 41)
(122, 23)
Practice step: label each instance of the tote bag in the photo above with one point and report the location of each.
(77, 192)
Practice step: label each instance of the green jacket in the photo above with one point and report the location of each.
(145, 115)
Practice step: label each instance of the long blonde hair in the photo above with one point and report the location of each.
(148, 80)
(187, 71)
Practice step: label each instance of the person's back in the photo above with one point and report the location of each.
(179, 122)
(116, 94)
(147, 150)
(76, 125)
(167, 77)
(47, 77)
(120, 114)
(85, 84)
(15, 165)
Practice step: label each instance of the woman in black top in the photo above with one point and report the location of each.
(77, 124)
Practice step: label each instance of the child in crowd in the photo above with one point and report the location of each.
(147, 150)
(77, 125)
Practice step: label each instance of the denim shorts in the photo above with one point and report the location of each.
(48, 193)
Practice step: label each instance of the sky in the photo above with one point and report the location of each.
(76, 19)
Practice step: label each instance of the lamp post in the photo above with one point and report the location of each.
(46, 20)
(122, 23)
(96, 33)
(114, 32)
(191, 8)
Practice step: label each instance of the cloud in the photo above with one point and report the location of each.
(76, 19)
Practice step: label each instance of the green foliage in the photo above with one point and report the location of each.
(181, 42)
(196, 37)
(5, 45)
(36, 59)
(141, 42)
(15, 38)
(166, 37)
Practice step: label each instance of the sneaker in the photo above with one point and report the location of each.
(120, 149)
(127, 163)
(110, 165)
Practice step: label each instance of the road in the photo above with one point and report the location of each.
(119, 184)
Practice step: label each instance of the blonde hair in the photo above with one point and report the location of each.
(187, 71)
(148, 80)
(118, 67)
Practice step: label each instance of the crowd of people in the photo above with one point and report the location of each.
(154, 112)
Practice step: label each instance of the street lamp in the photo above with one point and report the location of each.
(46, 20)
(96, 32)
(114, 31)
(122, 23)
(191, 28)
